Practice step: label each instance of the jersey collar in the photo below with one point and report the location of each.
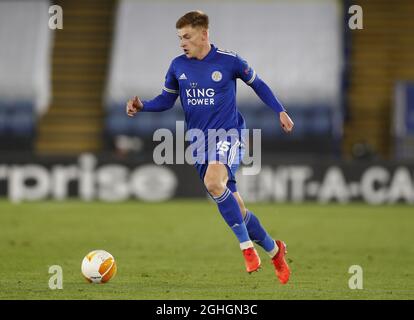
(209, 55)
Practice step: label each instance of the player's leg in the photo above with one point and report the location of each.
(256, 231)
(275, 249)
(240, 201)
(215, 181)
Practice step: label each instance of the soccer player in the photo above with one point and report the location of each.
(204, 78)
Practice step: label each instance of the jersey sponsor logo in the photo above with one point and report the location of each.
(200, 93)
(182, 77)
(216, 76)
(200, 96)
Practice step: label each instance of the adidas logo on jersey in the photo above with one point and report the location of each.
(182, 77)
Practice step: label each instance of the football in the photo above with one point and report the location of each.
(98, 266)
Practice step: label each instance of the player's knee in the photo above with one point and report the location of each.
(215, 187)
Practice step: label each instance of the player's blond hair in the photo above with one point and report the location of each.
(194, 19)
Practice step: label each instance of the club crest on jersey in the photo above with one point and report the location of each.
(216, 76)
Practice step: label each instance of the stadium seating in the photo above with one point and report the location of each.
(18, 118)
(314, 126)
(403, 120)
(309, 89)
(17, 124)
(379, 59)
(25, 72)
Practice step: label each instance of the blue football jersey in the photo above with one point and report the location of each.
(207, 88)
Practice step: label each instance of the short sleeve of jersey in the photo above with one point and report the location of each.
(171, 83)
(244, 71)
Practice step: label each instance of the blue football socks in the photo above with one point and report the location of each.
(230, 210)
(258, 234)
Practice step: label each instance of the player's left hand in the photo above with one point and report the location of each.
(286, 122)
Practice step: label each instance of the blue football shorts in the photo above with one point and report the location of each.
(229, 151)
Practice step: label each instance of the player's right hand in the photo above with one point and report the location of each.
(133, 106)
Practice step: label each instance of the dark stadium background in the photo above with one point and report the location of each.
(64, 134)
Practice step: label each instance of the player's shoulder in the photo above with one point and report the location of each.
(179, 59)
(227, 57)
(226, 52)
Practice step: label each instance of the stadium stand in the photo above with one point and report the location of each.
(24, 71)
(301, 59)
(403, 120)
(74, 121)
(381, 56)
(308, 82)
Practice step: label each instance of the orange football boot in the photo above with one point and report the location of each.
(251, 259)
(279, 262)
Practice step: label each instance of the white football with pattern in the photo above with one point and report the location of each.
(98, 266)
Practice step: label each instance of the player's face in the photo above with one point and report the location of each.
(192, 40)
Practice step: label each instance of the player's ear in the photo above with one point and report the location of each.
(204, 33)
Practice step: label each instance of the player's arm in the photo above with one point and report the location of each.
(162, 102)
(266, 95)
(249, 76)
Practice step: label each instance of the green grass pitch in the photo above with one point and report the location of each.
(184, 250)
